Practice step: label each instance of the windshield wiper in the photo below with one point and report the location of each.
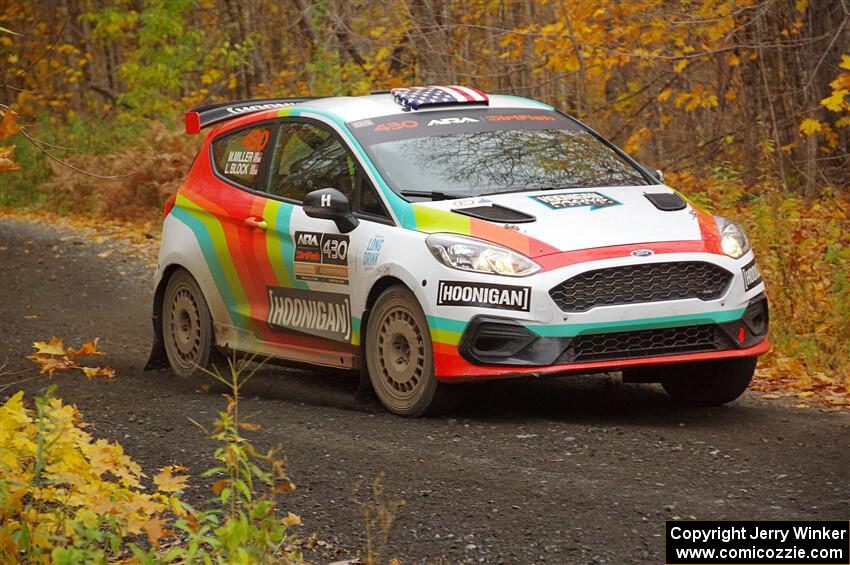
(515, 190)
(432, 194)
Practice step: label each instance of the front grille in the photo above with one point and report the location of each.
(648, 282)
(644, 343)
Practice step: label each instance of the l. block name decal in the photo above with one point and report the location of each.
(595, 200)
(323, 314)
(484, 295)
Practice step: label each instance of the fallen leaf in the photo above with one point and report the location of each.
(49, 365)
(154, 528)
(52, 347)
(94, 372)
(31, 317)
(292, 520)
(219, 485)
(88, 349)
(166, 481)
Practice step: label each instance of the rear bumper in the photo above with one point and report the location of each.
(493, 347)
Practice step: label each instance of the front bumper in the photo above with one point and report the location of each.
(497, 341)
(492, 347)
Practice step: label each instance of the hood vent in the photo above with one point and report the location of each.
(666, 201)
(496, 213)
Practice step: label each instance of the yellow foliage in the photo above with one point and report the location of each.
(55, 473)
(835, 102)
(810, 126)
(7, 159)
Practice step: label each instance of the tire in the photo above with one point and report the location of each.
(400, 358)
(710, 383)
(187, 331)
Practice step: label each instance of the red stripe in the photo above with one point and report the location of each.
(558, 260)
(461, 92)
(450, 367)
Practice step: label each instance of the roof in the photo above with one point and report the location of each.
(354, 108)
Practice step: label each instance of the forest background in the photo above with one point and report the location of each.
(744, 104)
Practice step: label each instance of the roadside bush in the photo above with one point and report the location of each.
(66, 497)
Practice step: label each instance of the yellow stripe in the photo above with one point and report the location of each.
(273, 243)
(222, 251)
(433, 220)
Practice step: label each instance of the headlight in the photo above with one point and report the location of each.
(733, 240)
(469, 254)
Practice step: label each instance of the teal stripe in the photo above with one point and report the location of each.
(567, 330)
(213, 263)
(446, 324)
(287, 244)
(529, 100)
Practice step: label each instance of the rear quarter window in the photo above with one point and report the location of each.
(238, 156)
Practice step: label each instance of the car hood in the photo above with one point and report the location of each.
(565, 220)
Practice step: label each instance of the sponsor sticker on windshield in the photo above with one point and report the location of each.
(594, 200)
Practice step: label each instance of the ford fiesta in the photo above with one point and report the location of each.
(434, 235)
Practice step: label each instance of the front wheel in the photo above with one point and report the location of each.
(710, 383)
(399, 356)
(186, 326)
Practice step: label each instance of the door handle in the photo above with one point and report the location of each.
(256, 223)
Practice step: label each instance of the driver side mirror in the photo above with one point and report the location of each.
(330, 204)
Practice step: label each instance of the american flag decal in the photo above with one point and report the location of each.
(416, 97)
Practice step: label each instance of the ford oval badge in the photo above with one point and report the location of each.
(642, 252)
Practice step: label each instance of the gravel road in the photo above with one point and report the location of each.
(564, 470)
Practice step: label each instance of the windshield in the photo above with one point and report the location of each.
(454, 154)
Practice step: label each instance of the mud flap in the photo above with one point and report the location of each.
(157, 358)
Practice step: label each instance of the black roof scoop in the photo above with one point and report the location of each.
(666, 201)
(496, 213)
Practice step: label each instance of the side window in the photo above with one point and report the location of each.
(238, 156)
(308, 157)
(369, 202)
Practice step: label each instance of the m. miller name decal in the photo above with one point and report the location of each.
(484, 295)
(323, 314)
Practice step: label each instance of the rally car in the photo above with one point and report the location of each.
(428, 236)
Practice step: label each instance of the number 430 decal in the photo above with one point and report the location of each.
(391, 126)
(335, 249)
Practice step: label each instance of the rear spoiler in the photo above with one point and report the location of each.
(204, 116)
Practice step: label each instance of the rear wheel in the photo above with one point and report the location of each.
(186, 326)
(399, 356)
(710, 383)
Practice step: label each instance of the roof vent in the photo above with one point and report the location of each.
(415, 97)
